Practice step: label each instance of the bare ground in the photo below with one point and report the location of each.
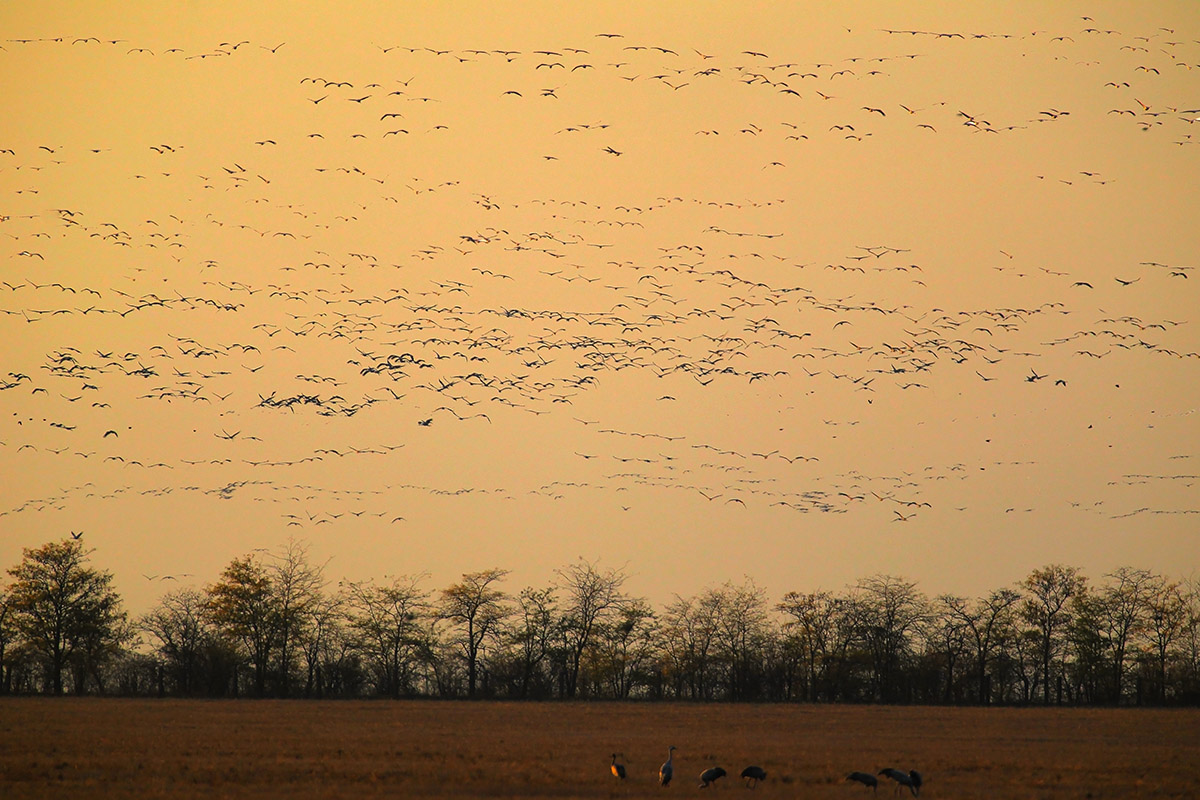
(81, 748)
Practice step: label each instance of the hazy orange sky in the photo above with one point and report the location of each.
(803, 292)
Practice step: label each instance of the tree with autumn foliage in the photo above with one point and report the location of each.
(66, 611)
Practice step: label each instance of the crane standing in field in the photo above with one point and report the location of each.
(911, 779)
(666, 771)
(753, 775)
(865, 778)
(618, 770)
(710, 775)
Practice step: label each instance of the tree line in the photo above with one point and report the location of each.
(273, 625)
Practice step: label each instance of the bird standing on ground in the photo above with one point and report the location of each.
(911, 779)
(618, 770)
(865, 778)
(753, 775)
(667, 770)
(709, 775)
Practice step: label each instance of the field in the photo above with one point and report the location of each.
(89, 747)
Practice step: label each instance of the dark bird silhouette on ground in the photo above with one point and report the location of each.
(753, 775)
(865, 778)
(911, 779)
(710, 775)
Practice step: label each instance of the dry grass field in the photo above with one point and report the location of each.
(112, 748)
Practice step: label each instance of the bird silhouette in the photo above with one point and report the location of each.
(667, 770)
(752, 775)
(911, 779)
(618, 770)
(865, 778)
(709, 775)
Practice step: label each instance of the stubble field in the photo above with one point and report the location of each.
(89, 747)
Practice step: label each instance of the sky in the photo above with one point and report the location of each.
(799, 293)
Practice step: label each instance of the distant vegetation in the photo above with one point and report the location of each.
(274, 625)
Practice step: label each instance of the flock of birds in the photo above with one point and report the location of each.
(342, 289)
(753, 774)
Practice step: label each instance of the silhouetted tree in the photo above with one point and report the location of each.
(532, 638)
(690, 633)
(625, 648)
(989, 620)
(1085, 658)
(476, 612)
(1189, 650)
(326, 647)
(1166, 624)
(8, 632)
(806, 627)
(1046, 609)
(590, 597)
(99, 647)
(742, 628)
(387, 624)
(183, 636)
(242, 608)
(879, 639)
(950, 640)
(296, 592)
(888, 610)
(63, 607)
(1124, 608)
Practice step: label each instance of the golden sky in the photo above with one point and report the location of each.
(803, 292)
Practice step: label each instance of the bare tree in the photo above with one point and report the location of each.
(1189, 649)
(534, 633)
(324, 645)
(1166, 623)
(987, 619)
(626, 646)
(182, 630)
(388, 625)
(689, 642)
(296, 591)
(889, 611)
(1124, 604)
(949, 638)
(804, 628)
(741, 632)
(590, 596)
(476, 612)
(63, 606)
(811, 624)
